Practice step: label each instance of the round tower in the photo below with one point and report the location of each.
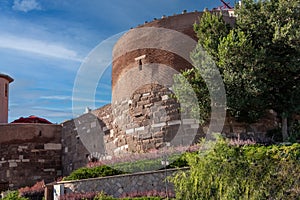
(132, 49)
(145, 60)
(5, 80)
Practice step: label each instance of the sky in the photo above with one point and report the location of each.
(44, 43)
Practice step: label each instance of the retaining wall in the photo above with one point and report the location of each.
(120, 185)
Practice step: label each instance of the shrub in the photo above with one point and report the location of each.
(78, 196)
(85, 173)
(14, 195)
(123, 168)
(103, 196)
(144, 198)
(152, 194)
(224, 171)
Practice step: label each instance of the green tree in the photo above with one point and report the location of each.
(210, 30)
(258, 59)
(273, 27)
(239, 62)
(203, 79)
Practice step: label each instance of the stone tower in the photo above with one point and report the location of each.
(145, 60)
(5, 80)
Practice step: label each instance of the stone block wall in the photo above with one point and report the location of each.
(83, 138)
(119, 185)
(74, 154)
(29, 153)
(149, 119)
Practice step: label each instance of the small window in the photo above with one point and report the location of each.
(6, 89)
(140, 65)
(139, 61)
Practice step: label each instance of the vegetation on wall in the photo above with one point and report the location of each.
(85, 173)
(125, 167)
(225, 171)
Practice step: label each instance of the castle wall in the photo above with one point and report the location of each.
(29, 153)
(143, 114)
(83, 138)
(147, 120)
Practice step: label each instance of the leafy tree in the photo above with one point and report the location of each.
(273, 27)
(239, 63)
(258, 59)
(186, 86)
(201, 80)
(210, 30)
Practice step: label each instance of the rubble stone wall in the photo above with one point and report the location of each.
(149, 119)
(29, 153)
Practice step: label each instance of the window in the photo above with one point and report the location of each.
(139, 61)
(140, 65)
(6, 89)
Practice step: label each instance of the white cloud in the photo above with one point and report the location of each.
(38, 47)
(62, 98)
(26, 5)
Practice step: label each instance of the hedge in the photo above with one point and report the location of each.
(223, 171)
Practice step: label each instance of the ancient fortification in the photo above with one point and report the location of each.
(142, 116)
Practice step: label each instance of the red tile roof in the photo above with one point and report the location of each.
(32, 119)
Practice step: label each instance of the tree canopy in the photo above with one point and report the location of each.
(258, 58)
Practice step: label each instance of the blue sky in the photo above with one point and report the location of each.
(43, 43)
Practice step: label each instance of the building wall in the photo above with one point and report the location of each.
(4, 92)
(29, 153)
(74, 154)
(146, 121)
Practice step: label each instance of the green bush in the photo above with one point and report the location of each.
(224, 171)
(143, 198)
(123, 168)
(85, 173)
(151, 164)
(136, 198)
(14, 195)
(103, 196)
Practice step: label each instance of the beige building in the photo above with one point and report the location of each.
(5, 80)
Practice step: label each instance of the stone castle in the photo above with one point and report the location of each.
(142, 116)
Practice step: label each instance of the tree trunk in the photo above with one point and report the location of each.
(284, 128)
